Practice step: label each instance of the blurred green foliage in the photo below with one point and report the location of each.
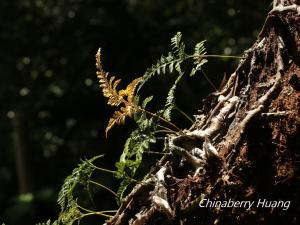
(48, 80)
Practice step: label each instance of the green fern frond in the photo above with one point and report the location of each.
(122, 188)
(170, 103)
(167, 63)
(80, 175)
(137, 143)
(134, 147)
(199, 60)
(146, 101)
(200, 49)
(71, 214)
(178, 47)
(162, 65)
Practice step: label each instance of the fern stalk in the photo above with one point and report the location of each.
(160, 118)
(103, 186)
(156, 153)
(195, 56)
(138, 108)
(222, 56)
(102, 169)
(94, 213)
(91, 211)
(209, 81)
(184, 114)
(166, 129)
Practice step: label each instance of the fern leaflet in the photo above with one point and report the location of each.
(170, 103)
(178, 46)
(199, 61)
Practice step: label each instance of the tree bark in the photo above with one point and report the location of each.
(243, 147)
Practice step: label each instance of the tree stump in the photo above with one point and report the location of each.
(243, 149)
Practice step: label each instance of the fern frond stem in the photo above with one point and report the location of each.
(152, 114)
(95, 213)
(90, 194)
(184, 114)
(223, 56)
(160, 118)
(84, 209)
(209, 81)
(104, 187)
(133, 180)
(165, 131)
(103, 214)
(109, 211)
(102, 169)
(158, 153)
(215, 56)
(166, 128)
(91, 211)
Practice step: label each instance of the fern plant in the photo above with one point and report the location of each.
(148, 123)
(128, 102)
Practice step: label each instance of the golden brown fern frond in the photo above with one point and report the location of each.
(120, 116)
(115, 98)
(130, 89)
(108, 85)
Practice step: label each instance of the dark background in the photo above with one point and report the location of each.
(52, 111)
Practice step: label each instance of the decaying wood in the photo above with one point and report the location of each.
(244, 147)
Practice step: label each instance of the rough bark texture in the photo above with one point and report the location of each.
(243, 146)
